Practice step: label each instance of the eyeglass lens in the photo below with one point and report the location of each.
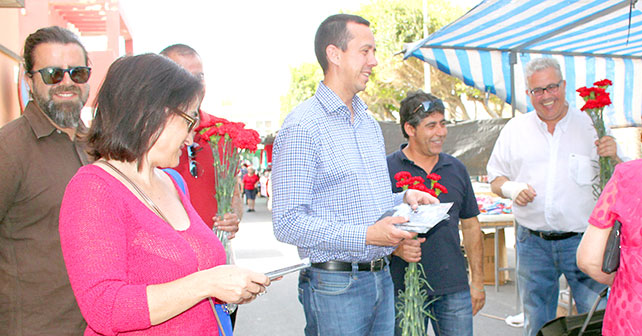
(52, 75)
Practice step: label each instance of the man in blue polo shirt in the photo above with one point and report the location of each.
(423, 124)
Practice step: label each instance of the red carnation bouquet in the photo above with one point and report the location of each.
(596, 98)
(228, 141)
(406, 181)
(412, 308)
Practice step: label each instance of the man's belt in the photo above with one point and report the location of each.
(342, 266)
(553, 235)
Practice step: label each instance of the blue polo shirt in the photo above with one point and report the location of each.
(441, 255)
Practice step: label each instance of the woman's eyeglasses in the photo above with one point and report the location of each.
(191, 121)
(54, 75)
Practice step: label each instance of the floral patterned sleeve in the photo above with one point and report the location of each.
(603, 215)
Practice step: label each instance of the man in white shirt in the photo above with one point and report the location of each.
(546, 163)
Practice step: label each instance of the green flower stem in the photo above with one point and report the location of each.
(606, 164)
(226, 161)
(412, 308)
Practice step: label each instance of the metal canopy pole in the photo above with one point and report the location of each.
(513, 60)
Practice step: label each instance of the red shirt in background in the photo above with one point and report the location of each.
(201, 188)
(249, 181)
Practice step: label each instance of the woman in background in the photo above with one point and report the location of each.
(140, 259)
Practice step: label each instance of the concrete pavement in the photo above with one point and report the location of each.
(279, 311)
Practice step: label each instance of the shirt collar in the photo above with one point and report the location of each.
(333, 104)
(561, 125)
(39, 123)
(444, 160)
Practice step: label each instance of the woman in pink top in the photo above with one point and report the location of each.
(140, 259)
(621, 200)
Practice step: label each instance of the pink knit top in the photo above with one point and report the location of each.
(622, 200)
(114, 247)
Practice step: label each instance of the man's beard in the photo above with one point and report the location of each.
(64, 114)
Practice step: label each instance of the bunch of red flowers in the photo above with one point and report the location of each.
(596, 98)
(217, 129)
(228, 140)
(406, 181)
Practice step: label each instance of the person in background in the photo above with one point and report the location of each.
(39, 153)
(544, 162)
(265, 176)
(331, 187)
(196, 164)
(620, 201)
(250, 183)
(423, 123)
(139, 257)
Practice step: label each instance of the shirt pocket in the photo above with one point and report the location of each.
(581, 169)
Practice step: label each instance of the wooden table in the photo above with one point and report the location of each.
(497, 222)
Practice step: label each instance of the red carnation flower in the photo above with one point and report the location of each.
(441, 188)
(402, 175)
(434, 177)
(603, 83)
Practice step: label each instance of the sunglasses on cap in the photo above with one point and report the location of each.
(54, 75)
(429, 105)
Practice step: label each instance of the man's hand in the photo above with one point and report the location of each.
(415, 197)
(478, 297)
(384, 232)
(521, 193)
(525, 196)
(410, 250)
(606, 147)
(229, 224)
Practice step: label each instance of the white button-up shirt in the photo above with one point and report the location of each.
(561, 167)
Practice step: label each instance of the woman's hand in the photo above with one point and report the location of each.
(234, 284)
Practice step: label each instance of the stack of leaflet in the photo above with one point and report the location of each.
(422, 219)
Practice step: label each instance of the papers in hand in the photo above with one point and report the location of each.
(424, 218)
(305, 263)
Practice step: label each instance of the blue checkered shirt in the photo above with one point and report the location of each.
(330, 180)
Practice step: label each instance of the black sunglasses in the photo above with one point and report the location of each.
(191, 155)
(53, 75)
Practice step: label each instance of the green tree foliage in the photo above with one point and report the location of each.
(303, 85)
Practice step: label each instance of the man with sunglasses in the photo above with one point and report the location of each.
(39, 153)
(423, 123)
(196, 163)
(545, 162)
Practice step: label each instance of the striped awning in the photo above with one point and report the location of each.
(592, 40)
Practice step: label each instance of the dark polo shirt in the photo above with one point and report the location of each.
(36, 163)
(441, 256)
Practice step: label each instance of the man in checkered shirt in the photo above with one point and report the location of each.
(331, 186)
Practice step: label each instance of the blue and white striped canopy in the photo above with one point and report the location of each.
(587, 37)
